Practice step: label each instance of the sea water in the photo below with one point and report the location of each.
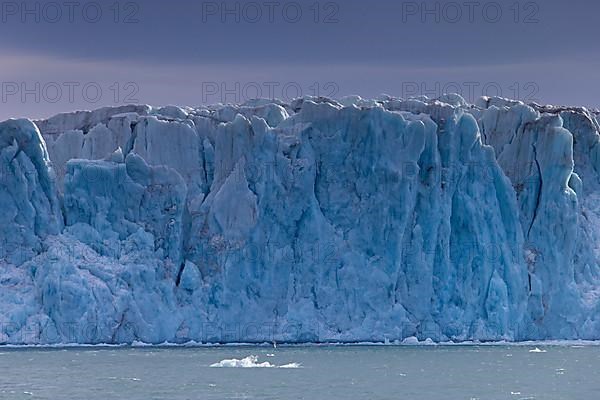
(483, 372)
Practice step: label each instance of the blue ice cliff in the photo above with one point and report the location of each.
(318, 220)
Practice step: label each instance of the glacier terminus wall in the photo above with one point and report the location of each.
(317, 220)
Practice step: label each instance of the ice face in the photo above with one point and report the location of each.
(30, 208)
(317, 220)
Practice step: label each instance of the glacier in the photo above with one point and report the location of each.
(315, 220)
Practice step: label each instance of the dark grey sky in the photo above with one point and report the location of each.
(56, 56)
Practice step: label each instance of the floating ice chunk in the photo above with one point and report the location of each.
(537, 350)
(251, 362)
(291, 366)
(247, 362)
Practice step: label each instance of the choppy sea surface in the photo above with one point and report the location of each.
(567, 371)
